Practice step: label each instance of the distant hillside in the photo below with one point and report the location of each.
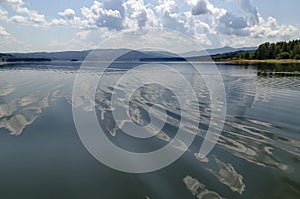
(4, 57)
(98, 54)
(68, 55)
(217, 51)
(27, 59)
(109, 54)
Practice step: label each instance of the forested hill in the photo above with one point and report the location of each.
(279, 50)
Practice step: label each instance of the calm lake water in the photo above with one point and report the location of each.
(257, 155)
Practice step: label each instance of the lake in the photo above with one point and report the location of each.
(256, 156)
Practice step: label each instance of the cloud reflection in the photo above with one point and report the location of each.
(227, 175)
(198, 189)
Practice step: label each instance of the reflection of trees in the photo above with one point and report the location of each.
(278, 70)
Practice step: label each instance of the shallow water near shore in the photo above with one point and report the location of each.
(257, 154)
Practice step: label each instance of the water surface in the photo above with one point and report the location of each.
(257, 155)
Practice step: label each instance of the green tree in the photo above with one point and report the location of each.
(246, 55)
(280, 50)
(283, 55)
(297, 57)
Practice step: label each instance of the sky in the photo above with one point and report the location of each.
(52, 25)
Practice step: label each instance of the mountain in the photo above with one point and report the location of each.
(126, 54)
(67, 55)
(98, 54)
(216, 51)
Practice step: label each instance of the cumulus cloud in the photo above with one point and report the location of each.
(68, 14)
(202, 39)
(251, 10)
(164, 7)
(17, 2)
(171, 18)
(200, 8)
(3, 31)
(232, 21)
(142, 18)
(58, 22)
(265, 30)
(231, 24)
(115, 5)
(26, 16)
(271, 29)
(18, 19)
(139, 15)
(199, 19)
(3, 15)
(110, 15)
(36, 18)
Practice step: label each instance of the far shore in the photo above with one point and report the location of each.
(254, 61)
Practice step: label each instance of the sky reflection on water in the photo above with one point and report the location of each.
(261, 136)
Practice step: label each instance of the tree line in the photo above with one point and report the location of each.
(279, 50)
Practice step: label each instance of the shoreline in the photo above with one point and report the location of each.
(258, 61)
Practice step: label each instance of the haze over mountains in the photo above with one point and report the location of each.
(216, 51)
(109, 54)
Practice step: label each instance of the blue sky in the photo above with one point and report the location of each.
(52, 25)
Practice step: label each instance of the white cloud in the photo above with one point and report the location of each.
(95, 16)
(68, 14)
(139, 15)
(100, 16)
(83, 34)
(58, 22)
(199, 19)
(3, 32)
(232, 21)
(170, 17)
(231, 24)
(114, 15)
(26, 16)
(271, 29)
(165, 7)
(18, 2)
(36, 18)
(265, 30)
(142, 17)
(200, 8)
(202, 39)
(251, 10)
(18, 19)
(3, 15)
